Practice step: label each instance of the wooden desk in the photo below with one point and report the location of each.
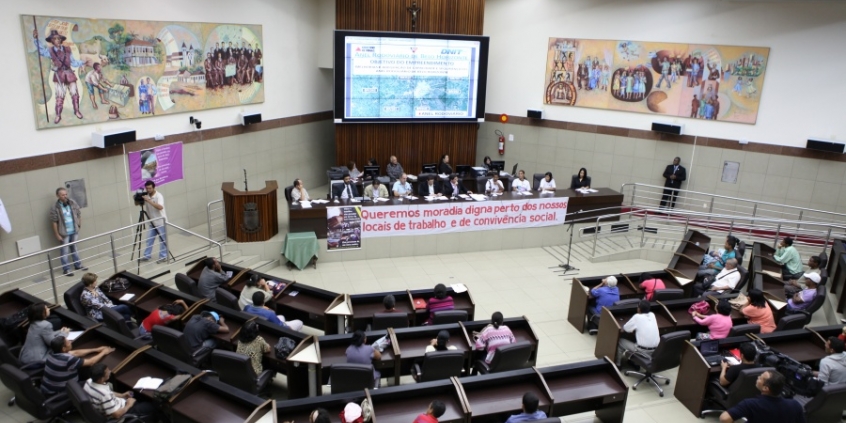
(611, 322)
(147, 362)
(580, 300)
(309, 305)
(137, 285)
(333, 350)
(802, 345)
(98, 336)
(463, 301)
(366, 305)
(694, 244)
(592, 385)
(496, 396)
(299, 410)
(678, 309)
(159, 296)
(521, 327)
(402, 404)
(412, 343)
(205, 400)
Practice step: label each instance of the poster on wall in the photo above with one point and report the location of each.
(162, 165)
(84, 70)
(344, 228)
(697, 81)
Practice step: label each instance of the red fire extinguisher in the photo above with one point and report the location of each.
(501, 142)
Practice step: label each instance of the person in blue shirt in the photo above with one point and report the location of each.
(714, 262)
(259, 309)
(530, 410)
(605, 294)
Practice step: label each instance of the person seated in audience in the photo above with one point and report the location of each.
(440, 302)
(487, 163)
(719, 324)
(41, 332)
(436, 409)
(521, 184)
(842, 335)
(833, 366)
(354, 172)
(769, 407)
(211, 278)
(454, 187)
(299, 192)
(726, 280)
(252, 345)
(547, 184)
(605, 295)
(254, 284)
(390, 304)
(259, 308)
(93, 299)
(530, 410)
(162, 316)
(115, 405)
(757, 311)
(645, 328)
(360, 353)
(787, 256)
(401, 187)
(443, 165)
(352, 413)
(792, 286)
(345, 191)
(200, 330)
(802, 299)
(650, 284)
(376, 190)
(394, 169)
(729, 373)
(432, 188)
(494, 335)
(580, 180)
(63, 364)
(714, 262)
(320, 415)
(441, 343)
(494, 185)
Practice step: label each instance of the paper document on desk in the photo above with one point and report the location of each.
(459, 288)
(72, 335)
(306, 204)
(496, 194)
(380, 199)
(435, 197)
(228, 274)
(126, 297)
(732, 361)
(773, 274)
(778, 304)
(148, 383)
(410, 197)
(586, 190)
(319, 201)
(478, 197)
(525, 193)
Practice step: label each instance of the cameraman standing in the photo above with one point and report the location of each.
(154, 206)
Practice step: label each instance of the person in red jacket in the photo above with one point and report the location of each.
(436, 409)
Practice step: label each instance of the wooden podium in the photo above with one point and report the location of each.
(250, 215)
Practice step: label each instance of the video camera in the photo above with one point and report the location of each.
(799, 377)
(138, 197)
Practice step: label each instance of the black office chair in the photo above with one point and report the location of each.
(173, 343)
(744, 279)
(739, 252)
(666, 356)
(827, 405)
(382, 321)
(82, 402)
(72, 300)
(438, 365)
(332, 189)
(288, 196)
(350, 377)
(187, 285)
(738, 330)
(449, 316)
(237, 370)
(823, 258)
(227, 299)
(536, 178)
(815, 305)
(791, 321)
(667, 294)
(30, 399)
(115, 321)
(629, 301)
(742, 388)
(10, 355)
(507, 357)
(823, 276)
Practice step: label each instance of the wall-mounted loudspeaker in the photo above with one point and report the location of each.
(827, 146)
(250, 118)
(667, 128)
(534, 114)
(113, 137)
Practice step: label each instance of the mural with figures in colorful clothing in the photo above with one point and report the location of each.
(85, 70)
(708, 82)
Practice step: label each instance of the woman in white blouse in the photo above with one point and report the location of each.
(547, 184)
(299, 192)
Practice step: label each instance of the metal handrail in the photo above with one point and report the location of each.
(209, 218)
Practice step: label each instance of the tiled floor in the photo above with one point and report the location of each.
(520, 282)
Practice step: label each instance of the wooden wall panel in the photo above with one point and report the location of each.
(413, 143)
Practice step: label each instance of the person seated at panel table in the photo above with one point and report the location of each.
(547, 184)
(201, 328)
(530, 410)
(494, 185)
(787, 256)
(605, 294)
(454, 187)
(436, 409)
(401, 187)
(645, 327)
(376, 190)
(521, 184)
(112, 405)
(346, 190)
(493, 336)
(254, 284)
(443, 165)
(580, 180)
(440, 343)
(93, 299)
(394, 169)
(211, 278)
(833, 366)
(714, 262)
(40, 333)
(432, 187)
(649, 285)
(802, 299)
(719, 324)
(360, 353)
(299, 192)
(726, 280)
(162, 316)
(769, 407)
(390, 304)
(757, 311)
(354, 172)
(440, 302)
(252, 345)
(63, 364)
(792, 286)
(729, 373)
(259, 308)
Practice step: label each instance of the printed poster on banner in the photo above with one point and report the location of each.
(162, 165)
(344, 228)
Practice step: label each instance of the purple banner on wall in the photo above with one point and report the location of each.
(162, 164)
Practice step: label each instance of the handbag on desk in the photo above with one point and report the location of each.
(115, 285)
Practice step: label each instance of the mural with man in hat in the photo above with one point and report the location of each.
(85, 71)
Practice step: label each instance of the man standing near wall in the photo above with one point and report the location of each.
(675, 174)
(154, 206)
(67, 219)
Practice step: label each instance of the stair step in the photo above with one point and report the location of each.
(265, 264)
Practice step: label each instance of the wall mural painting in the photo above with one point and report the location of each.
(85, 71)
(695, 81)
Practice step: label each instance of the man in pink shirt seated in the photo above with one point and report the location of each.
(719, 324)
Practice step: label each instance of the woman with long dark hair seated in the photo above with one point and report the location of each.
(360, 353)
(758, 312)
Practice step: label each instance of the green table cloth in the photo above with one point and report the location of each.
(300, 247)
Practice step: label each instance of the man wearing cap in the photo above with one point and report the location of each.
(200, 330)
(63, 74)
(803, 298)
(645, 327)
(351, 413)
(605, 294)
(791, 287)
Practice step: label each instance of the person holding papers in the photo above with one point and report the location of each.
(39, 335)
(431, 188)
(494, 185)
(345, 191)
(376, 190)
(402, 187)
(299, 192)
(112, 405)
(521, 184)
(547, 184)
(581, 180)
(93, 299)
(454, 188)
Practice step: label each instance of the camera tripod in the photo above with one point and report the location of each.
(143, 217)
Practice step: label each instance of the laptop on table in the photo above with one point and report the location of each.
(710, 350)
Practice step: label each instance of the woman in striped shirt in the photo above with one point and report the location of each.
(494, 335)
(440, 302)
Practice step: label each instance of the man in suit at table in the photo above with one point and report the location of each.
(345, 191)
(675, 174)
(432, 188)
(454, 187)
